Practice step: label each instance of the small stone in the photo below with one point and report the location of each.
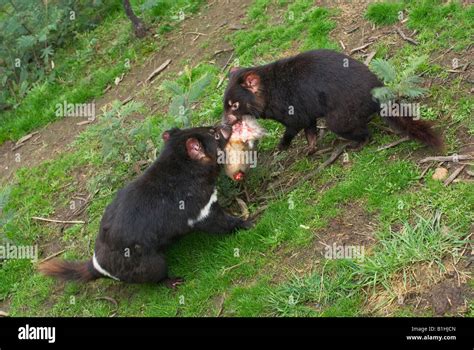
(440, 174)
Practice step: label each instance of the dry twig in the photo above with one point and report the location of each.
(454, 175)
(158, 70)
(406, 38)
(454, 158)
(58, 221)
(393, 144)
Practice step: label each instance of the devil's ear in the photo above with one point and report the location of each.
(195, 149)
(168, 133)
(251, 81)
(166, 136)
(232, 71)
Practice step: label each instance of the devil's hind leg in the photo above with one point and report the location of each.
(149, 267)
(311, 138)
(351, 128)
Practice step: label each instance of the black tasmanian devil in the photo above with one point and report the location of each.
(173, 197)
(316, 84)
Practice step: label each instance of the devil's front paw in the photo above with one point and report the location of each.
(310, 150)
(174, 282)
(246, 224)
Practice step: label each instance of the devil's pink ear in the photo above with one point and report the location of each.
(194, 149)
(232, 71)
(165, 136)
(251, 82)
(168, 133)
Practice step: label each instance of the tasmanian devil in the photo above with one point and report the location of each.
(316, 84)
(173, 197)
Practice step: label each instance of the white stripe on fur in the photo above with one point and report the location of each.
(204, 211)
(100, 269)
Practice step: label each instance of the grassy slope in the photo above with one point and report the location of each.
(245, 274)
(84, 69)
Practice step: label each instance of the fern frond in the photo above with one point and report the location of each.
(413, 65)
(197, 88)
(384, 70)
(411, 91)
(383, 94)
(172, 87)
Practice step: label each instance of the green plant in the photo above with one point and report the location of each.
(31, 30)
(184, 97)
(5, 215)
(87, 57)
(398, 85)
(122, 143)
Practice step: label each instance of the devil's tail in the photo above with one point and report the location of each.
(420, 130)
(70, 270)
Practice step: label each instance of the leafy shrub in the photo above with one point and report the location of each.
(32, 30)
(398, 85)
(185, 96)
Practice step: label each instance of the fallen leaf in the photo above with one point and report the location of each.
(244, 208)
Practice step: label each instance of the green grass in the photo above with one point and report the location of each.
(246, 274)
(303, 25)
(424, 241)
(384, 13)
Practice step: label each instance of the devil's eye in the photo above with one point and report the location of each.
(235, 106)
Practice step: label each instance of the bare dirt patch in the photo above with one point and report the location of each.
(353, 227)
(448, 298)
(424, 290)
(354, 31)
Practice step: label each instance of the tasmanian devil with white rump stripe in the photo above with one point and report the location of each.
(175, 196)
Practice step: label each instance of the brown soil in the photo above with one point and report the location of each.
(448, 298)
(353, 227)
